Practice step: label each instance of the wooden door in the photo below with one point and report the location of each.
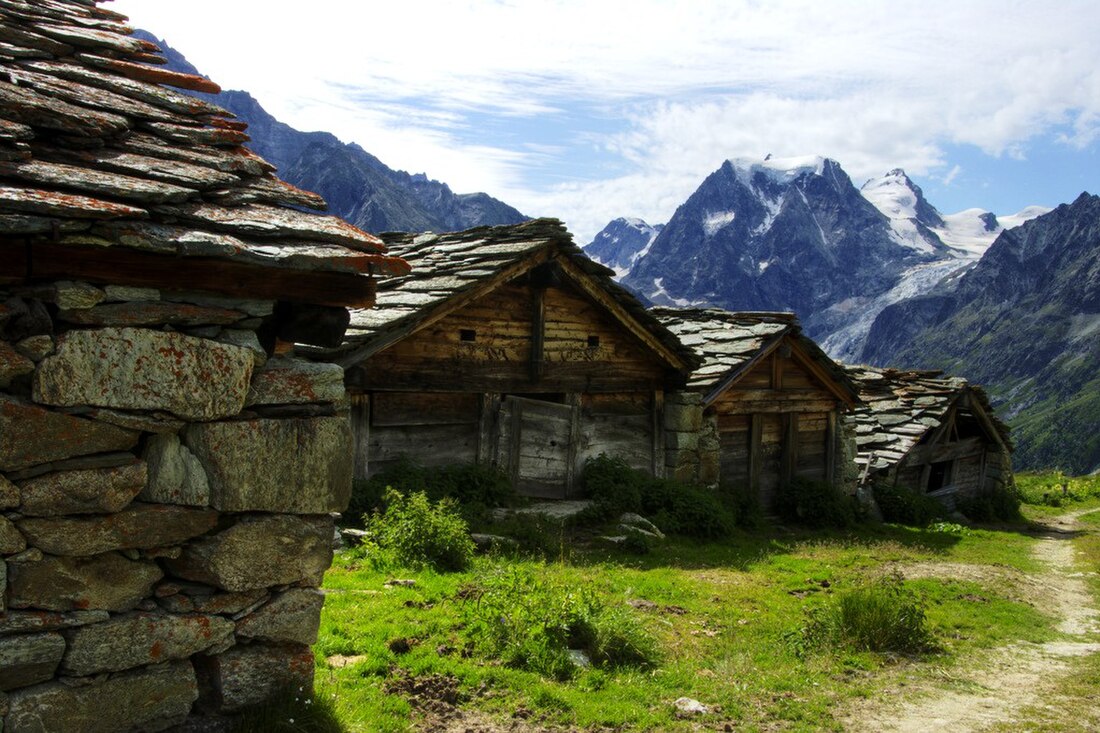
(536, 446)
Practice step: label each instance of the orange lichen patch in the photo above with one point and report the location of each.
(39, 201)
(156, 75)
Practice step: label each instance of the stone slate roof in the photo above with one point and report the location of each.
(97, 150)
(900, 407)
(728, 342)
(447, 266)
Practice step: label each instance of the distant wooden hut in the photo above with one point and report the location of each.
(770, 401)
(930, 433)
(507, 346)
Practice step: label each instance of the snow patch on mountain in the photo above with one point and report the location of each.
(715, 221)
(622, 243)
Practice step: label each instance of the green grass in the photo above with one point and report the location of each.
(717, 613)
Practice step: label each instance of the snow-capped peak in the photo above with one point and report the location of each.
(902, 202)
(780, 170)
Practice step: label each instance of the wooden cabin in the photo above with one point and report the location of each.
(930, 433)
(507, 346)
(769, 395)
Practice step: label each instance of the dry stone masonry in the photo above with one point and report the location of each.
(163, 543)
(168, 467)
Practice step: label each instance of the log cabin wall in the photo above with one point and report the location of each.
(777, 423)
(534, 376)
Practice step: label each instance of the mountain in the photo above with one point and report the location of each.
(357, 186)
(780, 234)
(621, 243)
(1025, 322)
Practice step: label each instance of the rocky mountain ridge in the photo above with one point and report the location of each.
(358, 186)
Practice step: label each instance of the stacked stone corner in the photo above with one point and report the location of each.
(166, 501)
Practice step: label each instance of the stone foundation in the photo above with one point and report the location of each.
(166, 494)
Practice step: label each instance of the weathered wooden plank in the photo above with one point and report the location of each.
(360, 434)
(430, 445)
(537, 358)
(425, 408)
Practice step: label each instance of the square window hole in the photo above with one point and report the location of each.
(593, 342)
(467, 334)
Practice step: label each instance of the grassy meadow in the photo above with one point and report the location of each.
(735, 624)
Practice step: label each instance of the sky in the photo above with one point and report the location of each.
(589, 110)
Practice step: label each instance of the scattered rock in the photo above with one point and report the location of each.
(487, 542)
(580, 658)
(641, 524)
(689, 707)
(397, 583)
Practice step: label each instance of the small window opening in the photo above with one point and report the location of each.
(467, 334)
(593, 342)
(939, 476)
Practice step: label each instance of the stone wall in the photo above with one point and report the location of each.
(166, 492)
(691, 440)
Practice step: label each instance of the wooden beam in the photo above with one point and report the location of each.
(832, 447)
(777, 371)
(123, 266)
(574, 401)
(799, 354)
(360, 432)
(730, 379)
(755, 457)
(486, 432)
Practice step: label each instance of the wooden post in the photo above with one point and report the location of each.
(486, 434)
(574, 401)
(789, 455)
(360, 432)
(777, 372)
(832, 447)
(538, 334)
(658, 425)
(755, 459)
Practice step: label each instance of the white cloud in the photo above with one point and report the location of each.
(680, 86)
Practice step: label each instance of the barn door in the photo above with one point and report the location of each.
(536, 446)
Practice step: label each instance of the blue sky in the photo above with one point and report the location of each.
(591, 110)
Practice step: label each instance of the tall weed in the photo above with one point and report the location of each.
(414, 532)
(533, 623)
(879, 616)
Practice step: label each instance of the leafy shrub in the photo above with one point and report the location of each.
(878, 616)
(674, 507)
(474, 487)
(816, 504)
(532, 623)
(1000, 504)
(414, 532)
(534, 535)
(904, 506)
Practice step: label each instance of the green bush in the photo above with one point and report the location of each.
(675, 508)
(534, 535)
(904, 506)
(816, 504)
(476, 488)
(878, 616)
(414, 532)
(532, 623)
(1000, 504)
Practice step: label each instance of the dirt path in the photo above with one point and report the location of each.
(1011, 677)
